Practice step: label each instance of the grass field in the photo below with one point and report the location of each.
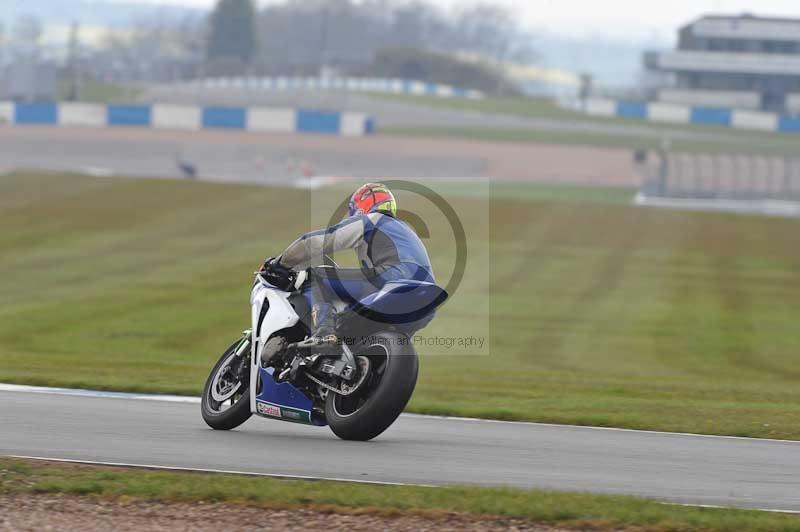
(565, 510)
(528, 107)
(601, 313)
(95, 91)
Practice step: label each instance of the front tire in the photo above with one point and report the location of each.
(378, 403)
(226, 399)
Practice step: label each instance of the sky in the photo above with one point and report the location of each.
(619, 19)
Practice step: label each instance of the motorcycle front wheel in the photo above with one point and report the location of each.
(393, 369)
(226, 400)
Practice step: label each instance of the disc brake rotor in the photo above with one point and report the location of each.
(225, 384)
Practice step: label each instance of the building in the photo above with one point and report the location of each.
(740, 62)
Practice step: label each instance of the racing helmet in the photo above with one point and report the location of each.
(372, 197)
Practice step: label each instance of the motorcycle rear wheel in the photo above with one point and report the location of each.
(226, 400)
(383, 396)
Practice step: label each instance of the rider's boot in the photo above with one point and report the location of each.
(323, 317)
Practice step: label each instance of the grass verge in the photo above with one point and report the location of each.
(570, 510)
(599, 313)
(96, 91)
(526, 107)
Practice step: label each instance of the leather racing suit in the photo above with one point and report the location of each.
(387, 249)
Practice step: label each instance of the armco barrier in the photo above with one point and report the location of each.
(187, 117)
(683, 114)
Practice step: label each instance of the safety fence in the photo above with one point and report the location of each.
(378, 85)
(719, 176)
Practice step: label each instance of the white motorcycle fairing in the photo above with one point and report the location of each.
(281, 315)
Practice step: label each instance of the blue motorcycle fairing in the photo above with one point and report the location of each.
(281, 400)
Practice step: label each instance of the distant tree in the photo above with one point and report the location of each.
(232, 37)
(418, 64)
(28, 32)
(73, 52)
(488, 29)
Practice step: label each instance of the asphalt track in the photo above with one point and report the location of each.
(168, 432)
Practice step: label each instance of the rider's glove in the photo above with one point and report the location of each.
(270, 264)
(278, 275)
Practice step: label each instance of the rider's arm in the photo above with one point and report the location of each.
(309, 249)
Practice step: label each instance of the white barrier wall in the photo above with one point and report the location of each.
(734, 99)
(601, 107)
(754, 120)
(82, 114)
(261, 119)
(418, 88)
(353, 124)
(666, 112)
(793, 103)
(6, 113)
(168, 116)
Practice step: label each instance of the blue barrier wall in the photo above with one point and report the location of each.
(789, 124)
(318, 121)
(632, 109)
(225, 117)
(190, 118)
(714, 116)
(684, 114)
(128, 115)
(36, 113)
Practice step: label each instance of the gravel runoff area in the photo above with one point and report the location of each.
(86, 514)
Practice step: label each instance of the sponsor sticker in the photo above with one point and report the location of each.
(268, 409)
(291, 414)
(302, 416)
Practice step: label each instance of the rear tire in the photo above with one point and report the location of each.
(382, 398)
(214, 413)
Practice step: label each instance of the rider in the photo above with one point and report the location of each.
(387, 248)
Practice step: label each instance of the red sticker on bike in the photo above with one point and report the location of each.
(268, 410)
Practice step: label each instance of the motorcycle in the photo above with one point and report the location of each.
(358, 385)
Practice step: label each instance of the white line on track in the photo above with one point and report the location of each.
(327, 479)
(718, 507)
(98, 394)
(223, 471)
(196, 400)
